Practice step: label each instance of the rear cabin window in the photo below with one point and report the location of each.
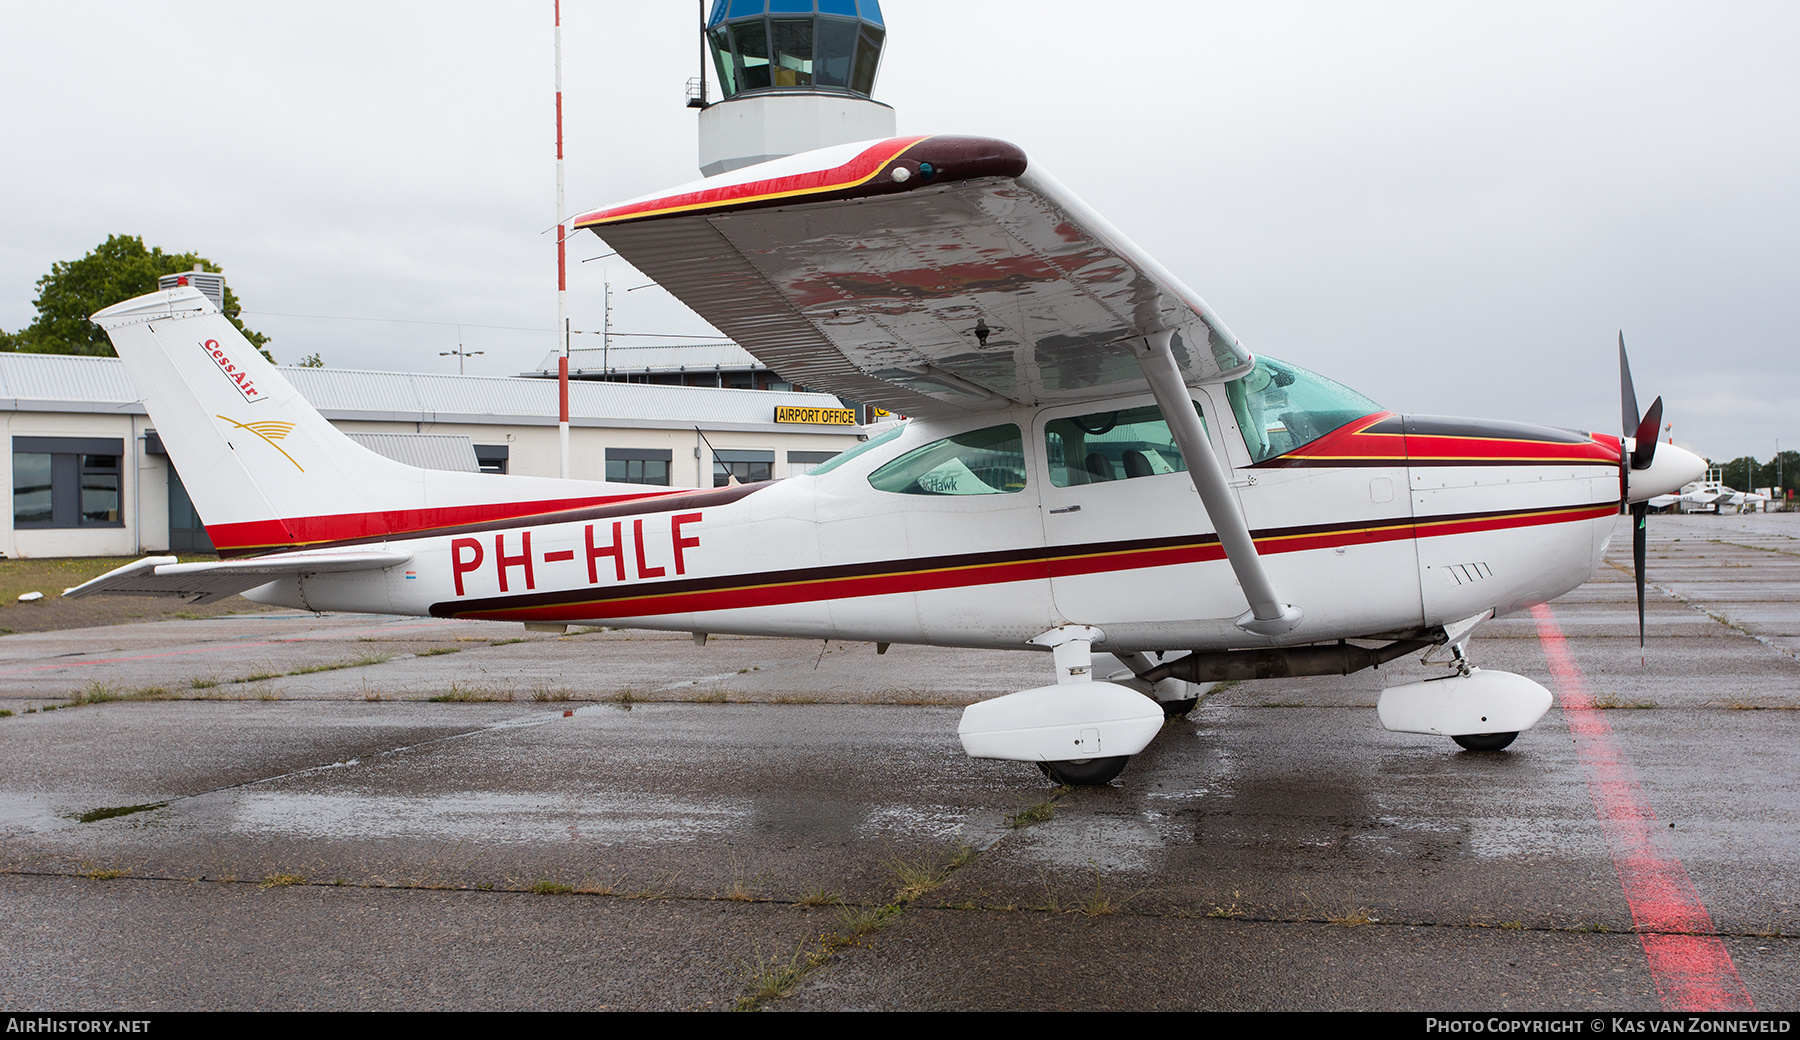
(980, 462)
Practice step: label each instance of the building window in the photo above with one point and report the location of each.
(67, 482)
(802, 462)
(491, 457)
(747, 466)
(638, 466)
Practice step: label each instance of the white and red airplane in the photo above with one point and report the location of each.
(1712, 496)
(1094, 466)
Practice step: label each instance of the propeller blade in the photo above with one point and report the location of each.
(1628, 409)
(1638, 535)
(1640, 512)
(1645, 451)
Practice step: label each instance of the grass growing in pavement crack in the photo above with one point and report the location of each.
(769, 979)
(1031, 814)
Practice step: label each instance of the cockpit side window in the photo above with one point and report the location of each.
(980, 462)
(1280, 407)
(1115, 445)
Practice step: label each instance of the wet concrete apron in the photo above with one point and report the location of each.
(714, 847)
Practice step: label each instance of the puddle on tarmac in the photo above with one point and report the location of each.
(24, 813)
(524, 818)
(921, 821)
(1504, 837)
(1109, 843)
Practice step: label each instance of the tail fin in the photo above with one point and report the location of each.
(265, 470)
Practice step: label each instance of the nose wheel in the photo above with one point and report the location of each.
(1085, 772)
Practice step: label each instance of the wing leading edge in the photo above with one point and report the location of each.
(929, 275)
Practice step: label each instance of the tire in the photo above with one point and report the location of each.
(1085, 772)
(1179, 709)
(1486, 741)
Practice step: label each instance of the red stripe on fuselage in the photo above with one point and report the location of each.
(763, 590)
(1355, 444)
(256, 536)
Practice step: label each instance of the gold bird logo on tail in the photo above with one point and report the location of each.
(269, 430)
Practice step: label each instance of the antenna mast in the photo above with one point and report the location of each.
(562, 269)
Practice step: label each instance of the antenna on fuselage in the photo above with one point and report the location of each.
(730, 477)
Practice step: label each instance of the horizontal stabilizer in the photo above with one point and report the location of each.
(211, 581)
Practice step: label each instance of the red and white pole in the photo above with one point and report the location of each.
(562, 269)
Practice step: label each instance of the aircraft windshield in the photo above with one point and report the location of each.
(1280, 407)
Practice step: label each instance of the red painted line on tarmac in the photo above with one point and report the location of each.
(212, 649)
(1688, 962)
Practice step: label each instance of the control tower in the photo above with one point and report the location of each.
(795, 75)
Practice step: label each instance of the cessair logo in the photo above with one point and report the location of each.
(270, 431)
(239, 378)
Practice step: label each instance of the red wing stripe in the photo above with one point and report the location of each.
(859, 169)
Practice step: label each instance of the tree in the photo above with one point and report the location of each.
(311, 361)
(116, 270)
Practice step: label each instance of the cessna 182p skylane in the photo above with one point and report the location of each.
(1094, 466)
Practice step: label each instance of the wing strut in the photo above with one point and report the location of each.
(1268, 615)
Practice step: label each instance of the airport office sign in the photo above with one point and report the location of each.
(818, 416)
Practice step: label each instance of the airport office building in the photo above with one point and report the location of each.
(90, 476)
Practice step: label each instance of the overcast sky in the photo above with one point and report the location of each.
(1451, 207)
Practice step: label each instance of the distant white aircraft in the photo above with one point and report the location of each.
(1711, 496)
(1095, 468)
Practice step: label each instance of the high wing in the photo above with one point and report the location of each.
(933, 276)
(208, 582)
(937, 276)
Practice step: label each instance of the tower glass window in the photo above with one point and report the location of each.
(831, 45)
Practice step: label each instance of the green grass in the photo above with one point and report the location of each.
(459, 694)
(1031, 814)
(771, 979)
(359, 661)
(96, 693)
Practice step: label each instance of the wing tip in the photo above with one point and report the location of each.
(886, 167)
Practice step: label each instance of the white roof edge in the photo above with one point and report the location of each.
(86, 384)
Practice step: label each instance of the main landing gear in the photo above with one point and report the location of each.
(1085, 772)
(1080, 731)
